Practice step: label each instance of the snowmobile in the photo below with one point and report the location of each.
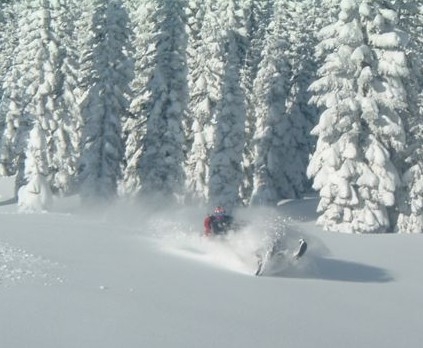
(276, 252)
(278, 248)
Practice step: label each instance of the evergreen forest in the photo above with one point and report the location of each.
(217, 102)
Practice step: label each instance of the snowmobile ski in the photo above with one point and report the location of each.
(272, 252)
(302, 248)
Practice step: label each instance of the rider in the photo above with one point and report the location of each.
(217, 223)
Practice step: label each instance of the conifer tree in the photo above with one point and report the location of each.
(226, 158)
(360, 131)
(258, 15)
(144, 38)
(205, 62)
(303, 21)
(410, 219)
(66, 139)
(36, 194)
(7, 44)
(161, 165)
(32, 85)
(15, 125)
(271, 89)
(37, 91)
(106, 102)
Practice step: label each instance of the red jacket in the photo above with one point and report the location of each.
(217, 224)
(207, 226)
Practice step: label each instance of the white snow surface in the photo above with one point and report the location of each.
(128, 277)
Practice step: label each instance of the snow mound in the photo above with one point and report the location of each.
(235, 251)
(18, 265)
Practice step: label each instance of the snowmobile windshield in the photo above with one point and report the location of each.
(220, 217)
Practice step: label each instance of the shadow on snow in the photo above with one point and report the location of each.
(10, 201)
(323, 268)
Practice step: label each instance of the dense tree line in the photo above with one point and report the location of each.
(217, 102)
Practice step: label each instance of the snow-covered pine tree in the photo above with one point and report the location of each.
(5, 60)
(50, 100)
(7, 44)
(270, 94)
(66, 138)
(36, 194)
(303, 21)
(205, 63)
(161, 165)
(144, 36)
(226, 158)
(258, 14)
(13, 98)
(360, 131)
(410, 21)
(106, 102)
(389, 91)
(84, 12)
(410, 219)
(39, 76)
(33, 84)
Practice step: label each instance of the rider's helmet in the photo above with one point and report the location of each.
(219, 213)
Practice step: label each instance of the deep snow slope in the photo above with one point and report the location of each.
(128, 278)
